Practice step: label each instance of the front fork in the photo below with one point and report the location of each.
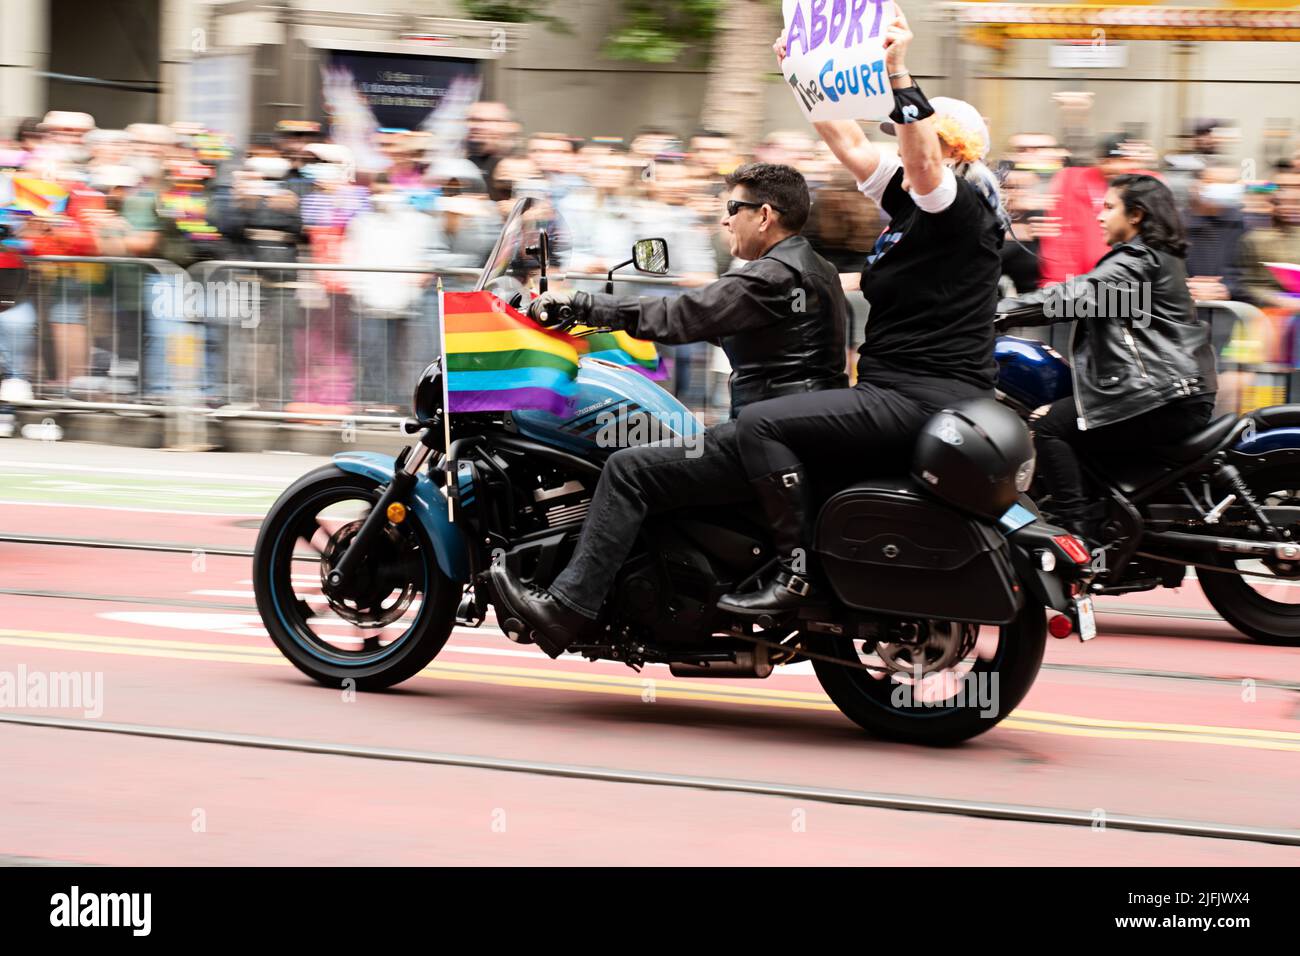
(405, 476)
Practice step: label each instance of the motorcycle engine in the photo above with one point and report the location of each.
(562, 503)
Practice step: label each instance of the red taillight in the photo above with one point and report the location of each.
(1073, 548)
(1060, 626)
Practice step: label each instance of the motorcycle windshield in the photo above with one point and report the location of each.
(515, 259)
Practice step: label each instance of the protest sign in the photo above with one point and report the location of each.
(835, 58)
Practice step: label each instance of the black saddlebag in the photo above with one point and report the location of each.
(887, 547)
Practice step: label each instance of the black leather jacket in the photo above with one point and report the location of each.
(781, 319)
(1136, 343)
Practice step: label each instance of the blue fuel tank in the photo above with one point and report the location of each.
(616, 407)
(1030, 372)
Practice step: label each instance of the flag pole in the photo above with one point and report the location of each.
(448, 464)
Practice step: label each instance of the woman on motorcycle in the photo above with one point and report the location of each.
(931, 281)
(1141, 359)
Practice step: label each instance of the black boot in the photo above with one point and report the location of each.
(786, 502)
(524, 608)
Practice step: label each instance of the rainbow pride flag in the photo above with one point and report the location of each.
(500, 360)
(39, 196)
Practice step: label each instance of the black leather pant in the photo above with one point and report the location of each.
(842, 435)
(638, 482)
(1059, 444)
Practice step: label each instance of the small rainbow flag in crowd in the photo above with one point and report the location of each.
(39, 196)
(500, 360)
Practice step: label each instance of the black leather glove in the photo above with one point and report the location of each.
(560, 310)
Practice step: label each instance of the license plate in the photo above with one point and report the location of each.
(1087, 619)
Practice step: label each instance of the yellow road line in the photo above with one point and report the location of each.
(634, 686)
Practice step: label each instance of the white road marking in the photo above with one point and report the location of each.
(91, 469)
(141, 511)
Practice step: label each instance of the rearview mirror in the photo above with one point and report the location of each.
(651, 255)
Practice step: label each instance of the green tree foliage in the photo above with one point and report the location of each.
(515, 11)
(660, 31)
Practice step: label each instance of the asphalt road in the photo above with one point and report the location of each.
(1169, 739)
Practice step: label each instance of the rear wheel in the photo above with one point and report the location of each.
(397, 611)
(939, 682)
(1261, 598)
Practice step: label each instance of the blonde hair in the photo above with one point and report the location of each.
(968, 144)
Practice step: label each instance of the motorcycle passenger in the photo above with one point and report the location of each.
(781, 319)
(1142, 362)
(931, 282)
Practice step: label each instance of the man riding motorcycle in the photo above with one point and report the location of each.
(781, 319)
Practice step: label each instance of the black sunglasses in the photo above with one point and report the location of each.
(735, 205)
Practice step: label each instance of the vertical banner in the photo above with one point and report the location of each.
(835, 58)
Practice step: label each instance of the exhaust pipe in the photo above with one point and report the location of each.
(755, 663)
(1279, 550)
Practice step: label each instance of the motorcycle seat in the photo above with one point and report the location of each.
(1199, 443)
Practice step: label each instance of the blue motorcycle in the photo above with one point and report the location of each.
(1225, 501)
(932, 628)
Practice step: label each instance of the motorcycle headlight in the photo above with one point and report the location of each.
(1025, 475)
(427, 399)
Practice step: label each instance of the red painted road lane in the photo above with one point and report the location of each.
(810, 747)
(225, 531)
(111, 799)
(179, 576)
(1209, 648)
(136, 802)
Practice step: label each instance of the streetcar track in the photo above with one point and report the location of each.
(170, 547)
(1097, 669)
(866, 799)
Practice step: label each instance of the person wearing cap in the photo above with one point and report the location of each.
(932, 284)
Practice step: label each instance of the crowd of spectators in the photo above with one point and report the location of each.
(344, 340)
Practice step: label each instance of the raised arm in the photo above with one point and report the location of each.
(918, 143)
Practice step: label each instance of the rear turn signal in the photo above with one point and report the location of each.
(1073, 548)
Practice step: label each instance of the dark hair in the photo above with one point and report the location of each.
(1161, 226)
(781, 187)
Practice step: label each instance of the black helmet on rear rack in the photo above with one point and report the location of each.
(977, 456)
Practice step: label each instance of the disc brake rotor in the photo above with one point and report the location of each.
(938, 646)
(378, 592)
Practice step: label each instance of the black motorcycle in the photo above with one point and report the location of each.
(1225, 501)
(932, 628)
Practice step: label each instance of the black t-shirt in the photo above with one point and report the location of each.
(932, 282)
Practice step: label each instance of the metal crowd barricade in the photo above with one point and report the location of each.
(1245, 382)
(334, 342)
(102, 333)
(263, 341)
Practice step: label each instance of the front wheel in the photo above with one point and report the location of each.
(398, 609)
(936, 682)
